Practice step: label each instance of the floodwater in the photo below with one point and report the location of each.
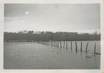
(52, 55)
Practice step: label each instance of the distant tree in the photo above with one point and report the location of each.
(47, 36)
(30, 32)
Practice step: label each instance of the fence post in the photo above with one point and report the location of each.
(87, 47)
(76, 45)
(71, 45)
(95, 48)
(81, 46)
(66, 45)
(60, 44)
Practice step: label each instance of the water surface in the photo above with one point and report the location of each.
(45, 55)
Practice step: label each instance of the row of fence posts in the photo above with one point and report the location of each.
(59, 44)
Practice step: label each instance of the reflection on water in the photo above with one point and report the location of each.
(52, 55)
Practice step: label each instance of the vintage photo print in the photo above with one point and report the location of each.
(52, 36)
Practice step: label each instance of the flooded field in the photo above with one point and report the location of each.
(52, 55)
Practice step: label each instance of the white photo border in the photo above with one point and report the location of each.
(101, 2)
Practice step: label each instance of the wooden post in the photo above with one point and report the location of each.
(76, 45)
(60, 44)
(54, 44)
(57, 44)
(81, 46)
(87, 47)
(71, 45)
(66, 45)
(95, 48)
(51, 43)
(63, 44)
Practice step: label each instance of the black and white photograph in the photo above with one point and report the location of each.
(52, 36)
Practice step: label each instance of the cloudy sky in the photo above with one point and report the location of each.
(52, 17)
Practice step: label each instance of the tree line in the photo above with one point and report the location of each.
(49, 36)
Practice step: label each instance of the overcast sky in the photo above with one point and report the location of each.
(52, 17)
